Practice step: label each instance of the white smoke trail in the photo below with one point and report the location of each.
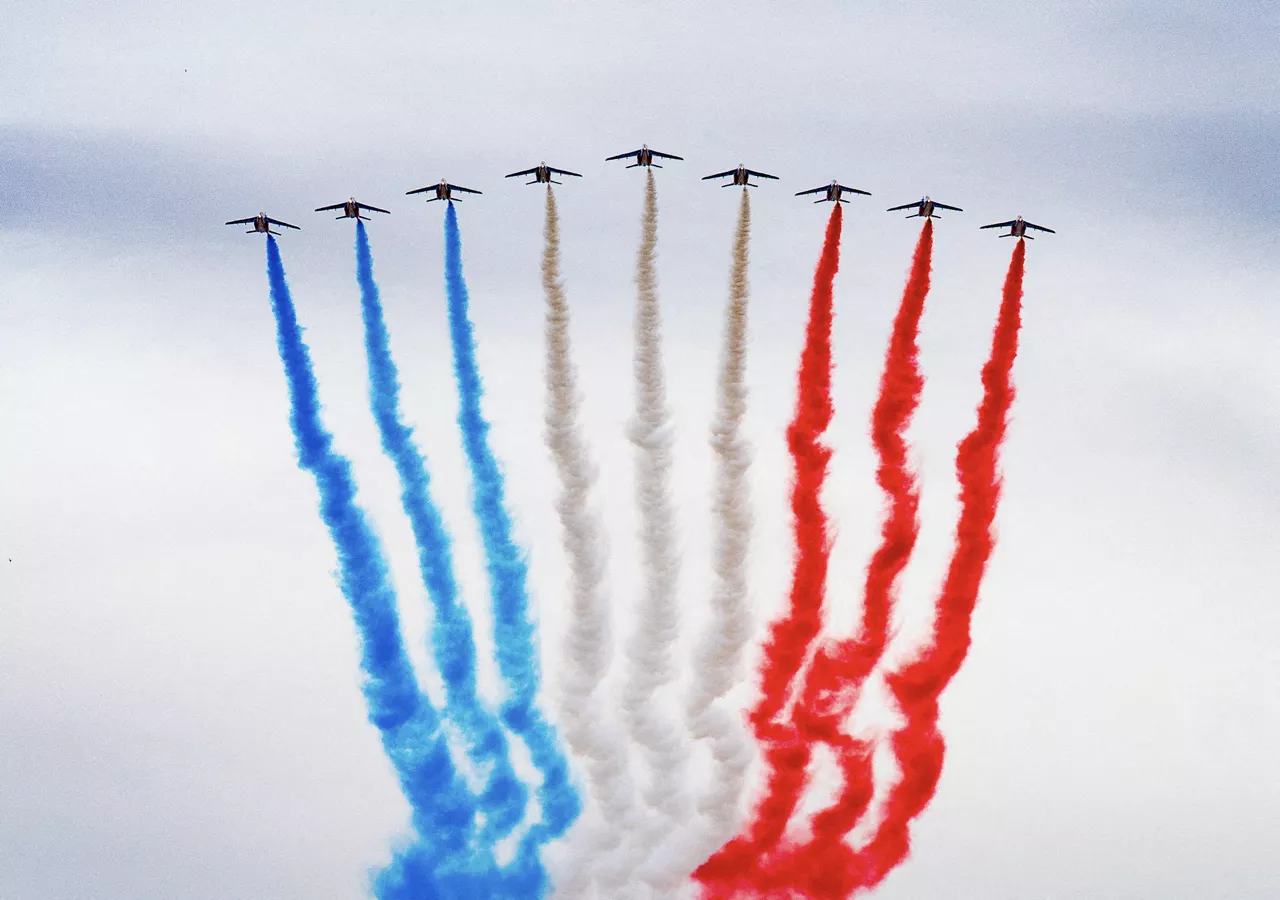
(718, 665)
(653, 725)
(588, 724)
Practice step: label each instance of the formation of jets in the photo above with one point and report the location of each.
(262, 224)
(542, 173)
(644, 157)
(1018, 228)
(351, 209)
(924, 208)
(833, 192)
(741, 175)
(444, 191)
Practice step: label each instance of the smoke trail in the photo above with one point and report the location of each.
(445, 861)
(916, 686)
(650, 665)
(719, 656)
(786, 757)
(589, 725)
(840, 668)
(516, 644)
(503, 798)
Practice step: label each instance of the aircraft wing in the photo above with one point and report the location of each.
(761, 174)
(818, 190)
(248, 221)
(719, 175)
(906, 206)
(464, 190)
(1000, 225)
(283, 224)
(563, 172)
(422, 190)
(1038, 227)
(525, 172)
(849, 190)
(944, 206)
(665, 155)
(327, 208)
(625, 155)
(371, 208)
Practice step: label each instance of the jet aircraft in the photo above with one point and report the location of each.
(262, 224)
(741, 175)
(351, 209)
(833, 192)
(444, 191)
(542, 174)
(924, 207)
(1018, 228)
(644, 157)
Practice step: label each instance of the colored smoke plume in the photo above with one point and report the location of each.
(502, 799)
(588, 722)
(443, 858)
(840, 668)
(916, 686)
(654, 725)
(514, 636)
(719, 658)
(785, 758)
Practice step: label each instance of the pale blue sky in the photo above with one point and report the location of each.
(179, 713)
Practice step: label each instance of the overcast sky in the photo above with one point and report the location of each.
(179, 705)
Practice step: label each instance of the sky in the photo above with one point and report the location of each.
(178, 680)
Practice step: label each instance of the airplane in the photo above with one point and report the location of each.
(644, 157)
(833, 192)
(1018, 228)
(741, 175)
(925, 207)
(262, 224)
(444, 191)
(542, 174)
(351, 209)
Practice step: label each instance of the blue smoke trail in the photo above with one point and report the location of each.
(446, 863)
(517, 650)
(503, 799)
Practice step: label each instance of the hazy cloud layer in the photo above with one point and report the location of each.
(178, 679)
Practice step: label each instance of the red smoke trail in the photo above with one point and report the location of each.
(918, 746)
(785, 757)
(840, 668)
